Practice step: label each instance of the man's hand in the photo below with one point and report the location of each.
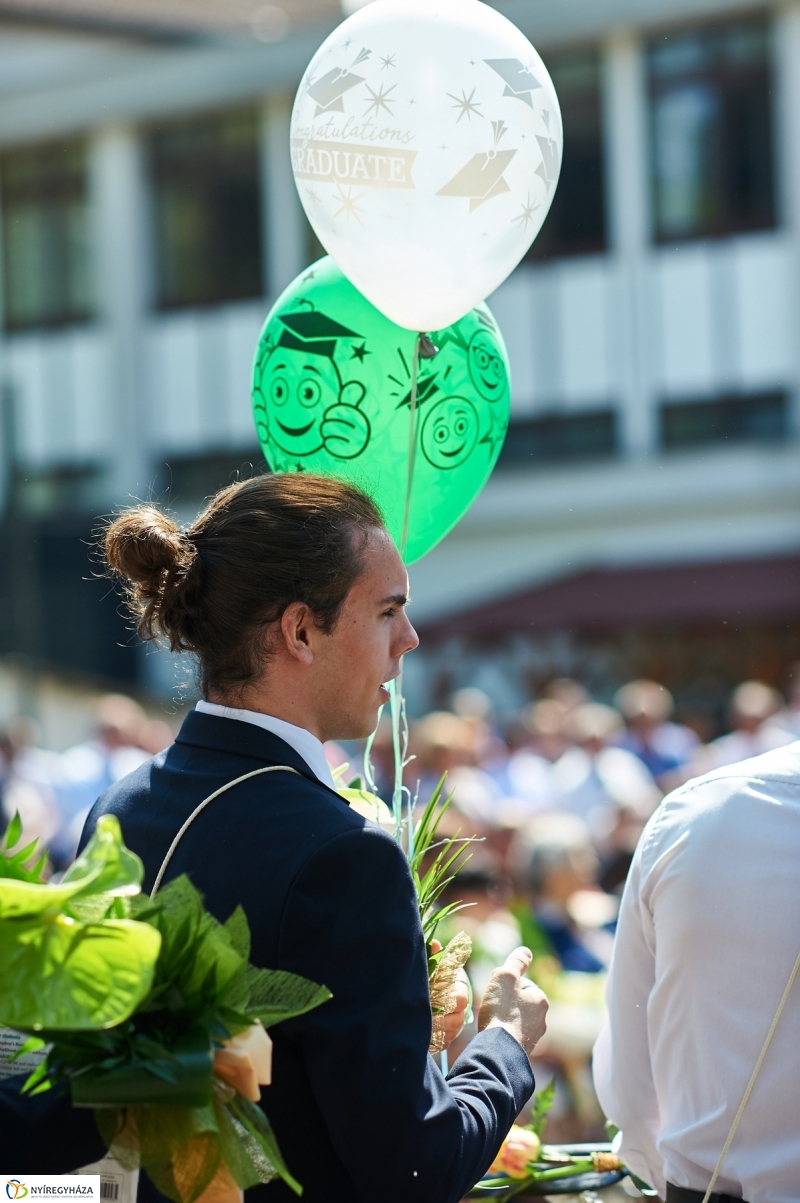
(345, 431)
(514, 1002)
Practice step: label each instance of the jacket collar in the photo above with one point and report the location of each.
(231, 736)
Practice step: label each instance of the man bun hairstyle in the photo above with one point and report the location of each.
(258, 546)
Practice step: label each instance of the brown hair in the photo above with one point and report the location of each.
(260, 545)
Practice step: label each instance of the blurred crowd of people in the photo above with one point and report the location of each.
(557, 799)
(54, 791)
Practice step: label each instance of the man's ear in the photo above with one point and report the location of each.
(296, 626)
(352, 393)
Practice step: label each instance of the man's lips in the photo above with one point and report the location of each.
(384, 687)
(295, 431)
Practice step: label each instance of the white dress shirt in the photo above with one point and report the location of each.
(303, 742)
(708, 934)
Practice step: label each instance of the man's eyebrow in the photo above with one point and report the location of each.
(309, 367)
(395, 599)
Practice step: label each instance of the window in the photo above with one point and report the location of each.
(576, 223)
(207, 210)
(763, 417)
(554, 437)
(76, 488)
(190, 479)
(46, 235)
(711, 131)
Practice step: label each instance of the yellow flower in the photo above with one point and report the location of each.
(517, 1151)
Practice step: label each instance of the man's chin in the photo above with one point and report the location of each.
(359, 726)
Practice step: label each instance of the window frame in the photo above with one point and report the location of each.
(71, 184)
(730, 226)
(160, 172)
(539, 252)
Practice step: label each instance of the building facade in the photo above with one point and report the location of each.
(149, 218)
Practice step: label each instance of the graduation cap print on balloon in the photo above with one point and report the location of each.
(333, 393)
(519, 81)
(426, 145)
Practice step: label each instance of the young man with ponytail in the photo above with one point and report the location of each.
(291, 595)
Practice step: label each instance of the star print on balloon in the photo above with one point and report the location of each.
(447, 112)
(466, 107)
(332, 394)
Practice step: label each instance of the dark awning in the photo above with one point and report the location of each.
(732, 590)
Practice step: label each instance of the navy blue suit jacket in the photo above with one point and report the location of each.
(359, 1107)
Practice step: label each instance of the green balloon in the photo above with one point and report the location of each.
(332, 392)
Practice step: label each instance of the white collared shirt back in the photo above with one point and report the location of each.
(708, 934)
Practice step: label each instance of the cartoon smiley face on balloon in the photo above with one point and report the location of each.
(449, 432)
(305, 406)
(334, 394)
(486, 368)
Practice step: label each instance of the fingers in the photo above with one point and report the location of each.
(459, 998)
(451, 1026)
(517, 963)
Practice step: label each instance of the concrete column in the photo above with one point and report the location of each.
(122, 256)
(625, 118)
(284, 222)
(787, 156)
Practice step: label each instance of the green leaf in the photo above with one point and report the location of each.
(105, 863)
(61, 974)
(105, 866)
(26, 899)
(541, 1107)
(180, 1077)
(276, 995)
(254, 1121)
(13, 832)
(238, 932)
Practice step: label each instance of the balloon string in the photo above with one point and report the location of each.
(412, 443)
(395, 706)
(369, 768)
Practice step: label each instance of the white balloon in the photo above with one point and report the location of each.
(426, 146)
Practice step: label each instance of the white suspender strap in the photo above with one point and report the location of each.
(752, 1081)
(272, 768)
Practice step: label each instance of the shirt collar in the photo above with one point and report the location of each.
(304, 743)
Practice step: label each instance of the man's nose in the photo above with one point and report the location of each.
(407, 638)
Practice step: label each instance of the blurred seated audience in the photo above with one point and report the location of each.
(751, 707)
(556, 866)
(536, 741)
(30, 777)
(787, 719)
(665, 747)
(595, 779)
(444, 743)
(123, 739)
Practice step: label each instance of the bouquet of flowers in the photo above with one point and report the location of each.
(149, 1011)
(525, 1166)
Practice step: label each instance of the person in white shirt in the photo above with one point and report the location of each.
(708, 933)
